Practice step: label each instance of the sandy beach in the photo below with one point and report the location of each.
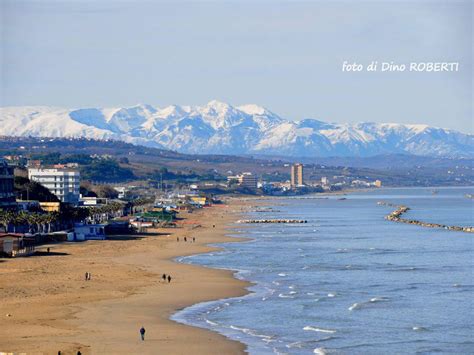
(47, 306)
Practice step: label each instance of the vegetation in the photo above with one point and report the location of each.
(31, 190)
(36, 222)
(42, 222)
(148, 163)
(106, 170)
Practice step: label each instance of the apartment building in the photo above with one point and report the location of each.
(63, 183)
(297, 175)
(7, 193)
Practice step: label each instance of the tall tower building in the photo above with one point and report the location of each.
(297, 175)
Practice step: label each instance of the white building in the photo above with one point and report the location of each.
(245, 179)
(62, 183)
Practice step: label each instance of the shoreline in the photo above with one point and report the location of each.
(50, 311)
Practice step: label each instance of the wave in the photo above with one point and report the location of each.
(320, 330)
(252, 332)
(331, 295)
(282, 295)
(302, 344)
(419, 329)
(282, 274)
(320, 351)
(359, 305)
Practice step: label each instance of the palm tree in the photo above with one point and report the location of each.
(5, 219)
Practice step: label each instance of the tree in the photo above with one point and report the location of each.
(31, 190)
(106, 191)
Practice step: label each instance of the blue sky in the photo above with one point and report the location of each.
(286, 56)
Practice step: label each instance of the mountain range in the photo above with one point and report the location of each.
(220, 128)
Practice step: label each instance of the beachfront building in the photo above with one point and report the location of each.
(297, 175)
(89, 231)
(64, 183)
(246, 179)
(15, 244)
(7, 194)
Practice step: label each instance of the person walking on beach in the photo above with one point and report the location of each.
(87, 276)
(194, 239)
(185, 239)
(169, 278)
(164, 277)
(142, 333)
(177, 239)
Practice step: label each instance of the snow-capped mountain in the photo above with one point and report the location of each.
(220, 128)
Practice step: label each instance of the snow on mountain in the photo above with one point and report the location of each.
(220, 128)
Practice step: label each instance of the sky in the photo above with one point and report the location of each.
(284, 55)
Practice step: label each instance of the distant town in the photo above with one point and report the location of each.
(47, 203)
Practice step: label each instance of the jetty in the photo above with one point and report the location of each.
(396, 216)
(272, 221)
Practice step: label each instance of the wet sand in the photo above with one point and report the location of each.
(47, 306)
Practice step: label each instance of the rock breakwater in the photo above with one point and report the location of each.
(396, 216)
(272, 221)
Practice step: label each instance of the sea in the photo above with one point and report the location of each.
(349, 281)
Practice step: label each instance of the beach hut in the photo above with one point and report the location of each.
(15, 244)
(89, 232)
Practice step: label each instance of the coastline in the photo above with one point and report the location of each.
(50, 307)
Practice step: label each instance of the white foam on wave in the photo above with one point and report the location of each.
(296, 344)
(282, 295)
(331, 295)
(211, 322)
(251, 332)
(419, 329)
(359, 305)
(354, 306)
(282, 274)
(276, 283)
(320, 351)
(378, 299)
(320, 330)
